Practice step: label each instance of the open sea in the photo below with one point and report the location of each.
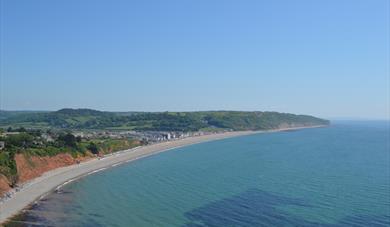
(333, 176)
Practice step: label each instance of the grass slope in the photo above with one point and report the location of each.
(158, 121)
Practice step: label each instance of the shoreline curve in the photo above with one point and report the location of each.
(50, 181)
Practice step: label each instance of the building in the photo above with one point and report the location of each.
(80, 134)
(47, 137)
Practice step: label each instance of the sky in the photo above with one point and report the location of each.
(328, 58)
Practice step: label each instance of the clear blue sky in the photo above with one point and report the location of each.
(328, 58)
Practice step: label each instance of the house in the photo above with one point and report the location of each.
(47, 137)
(80, 134)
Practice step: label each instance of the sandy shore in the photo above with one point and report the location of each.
(33, 190)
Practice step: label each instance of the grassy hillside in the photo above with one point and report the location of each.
(158, 121)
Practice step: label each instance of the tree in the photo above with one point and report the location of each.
(68, 140)
(19, 140)
(93, 148)
(21, 129)
(35, 132)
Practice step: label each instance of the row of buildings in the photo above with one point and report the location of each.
(150, 136)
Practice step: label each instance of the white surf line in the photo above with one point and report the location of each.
(96, 171)
(63, 184)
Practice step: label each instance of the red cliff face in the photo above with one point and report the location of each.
(4, 184)
(34, 166)
(30, 167)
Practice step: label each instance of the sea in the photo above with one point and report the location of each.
(332, 176)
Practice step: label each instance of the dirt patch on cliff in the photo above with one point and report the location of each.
(30, 167)
(4, 184)
(88, 156)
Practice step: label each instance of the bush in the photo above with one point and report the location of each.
(93, 148)
(68, 140)
(19, 140)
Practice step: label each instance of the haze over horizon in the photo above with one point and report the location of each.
(325, 58)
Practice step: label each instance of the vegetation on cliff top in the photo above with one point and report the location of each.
(31, 143)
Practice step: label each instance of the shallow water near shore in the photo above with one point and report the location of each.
(334, 176)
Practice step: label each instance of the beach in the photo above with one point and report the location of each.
(52, 180)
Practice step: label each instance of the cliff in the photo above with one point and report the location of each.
(4, 184)
(30, 167)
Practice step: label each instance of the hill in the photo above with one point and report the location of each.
(158, 121)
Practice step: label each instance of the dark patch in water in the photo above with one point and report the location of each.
(96, 215)
(47, 212)
(259, 208)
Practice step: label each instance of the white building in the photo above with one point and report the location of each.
(47, 137)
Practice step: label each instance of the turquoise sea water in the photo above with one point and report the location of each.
(334, 176)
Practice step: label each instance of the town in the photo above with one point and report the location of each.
(41, 136)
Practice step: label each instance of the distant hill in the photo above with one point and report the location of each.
(5, 114)
(157, 121)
